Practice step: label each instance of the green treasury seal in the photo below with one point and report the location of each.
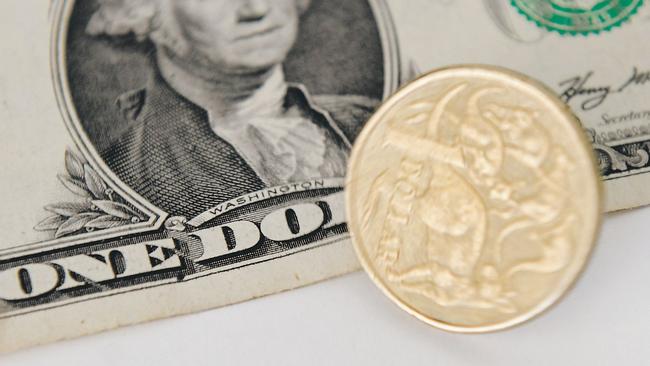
(578, 16)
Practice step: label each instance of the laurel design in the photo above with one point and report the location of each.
(99, 207)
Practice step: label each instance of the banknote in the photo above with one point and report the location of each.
(164, 157)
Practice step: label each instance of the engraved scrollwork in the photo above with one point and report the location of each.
(619, 159)
(610, 160)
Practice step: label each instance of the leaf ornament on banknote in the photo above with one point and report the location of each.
(98, 207)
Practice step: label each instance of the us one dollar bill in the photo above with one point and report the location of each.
(160, 158)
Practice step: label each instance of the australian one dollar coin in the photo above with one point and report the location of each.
(473, 198)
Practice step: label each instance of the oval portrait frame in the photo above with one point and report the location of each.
(61, 11)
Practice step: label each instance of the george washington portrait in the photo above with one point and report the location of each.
(213, 99)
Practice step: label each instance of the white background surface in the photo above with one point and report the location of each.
(605, 320)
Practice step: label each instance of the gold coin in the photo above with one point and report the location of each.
(473, 198)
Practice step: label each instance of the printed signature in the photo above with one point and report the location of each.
(591, 97)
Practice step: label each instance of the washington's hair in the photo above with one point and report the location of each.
(125, 17)
(137, 18)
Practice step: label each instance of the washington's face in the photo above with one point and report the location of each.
(237, 35)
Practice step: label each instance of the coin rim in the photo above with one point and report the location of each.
(557, 294)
